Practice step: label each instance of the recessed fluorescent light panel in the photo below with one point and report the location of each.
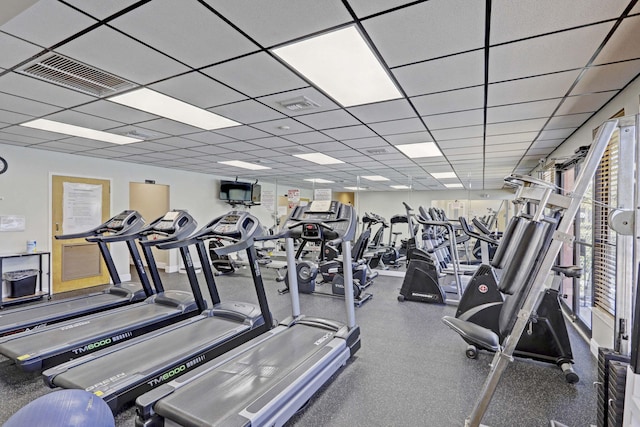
(244, 165)
(171, 108)
(443, 175)
(400, 187)
(421, 149)
(319, 158)
(454, 185)
(319, 180)
(341, 64)
(67, 129)
(375, 178)
(355, 188)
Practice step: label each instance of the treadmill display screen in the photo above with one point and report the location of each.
(230, 219)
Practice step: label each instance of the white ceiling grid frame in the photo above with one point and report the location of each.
(197, 89)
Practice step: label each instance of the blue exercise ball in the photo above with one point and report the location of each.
(69, 408)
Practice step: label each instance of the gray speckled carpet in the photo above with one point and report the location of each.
(411, 369)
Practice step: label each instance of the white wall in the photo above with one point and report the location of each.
(25, 191)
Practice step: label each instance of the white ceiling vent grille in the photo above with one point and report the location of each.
(299, 103)
(74, 75)
(377, 151)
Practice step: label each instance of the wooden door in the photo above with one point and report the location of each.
(76, 263)
(152, 201)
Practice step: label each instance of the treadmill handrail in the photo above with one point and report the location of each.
(136, 222)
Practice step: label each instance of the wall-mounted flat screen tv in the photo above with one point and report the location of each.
(235, 191)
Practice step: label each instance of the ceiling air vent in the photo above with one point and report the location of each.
(75, 75)
(299, 104)
(377, 151)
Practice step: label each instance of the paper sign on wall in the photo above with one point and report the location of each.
(269, 200)
(81, 207)
(12, 223)
(322, 194)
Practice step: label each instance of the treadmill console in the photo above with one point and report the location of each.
(118, 222)
(170, 221)
(228, 224)
(322, 220)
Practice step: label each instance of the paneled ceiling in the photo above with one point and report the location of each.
(496, 84)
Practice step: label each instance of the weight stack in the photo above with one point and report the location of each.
(605, 358)
(617, 383)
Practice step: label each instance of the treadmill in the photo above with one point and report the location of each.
(121, 373)
(268, 379)
(123, 228)
(52, 345)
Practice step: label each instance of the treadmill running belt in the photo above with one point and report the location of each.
(109, 324)
(40, 314)
(149, 356)
(227, 390)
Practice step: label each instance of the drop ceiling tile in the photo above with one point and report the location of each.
(25, 106)
(502, 149)
(190, 32)
(619, 48)
(11, 134)
(383, 111)
(512, 21)
(15, 50)
(547, 143)
(239, 146)
(350, 132)
(169, 127)
(210, 149)
(85, 120)
(88, 143)
(16, 143)
(556, 133)
(460, 143)
(523, 111)
(273, 142)
(153, 147)
(458, 133)
(116, 53)
(531, 88)
(607, 77)
(532, 125)
(209, 137)
(101, 9)
(113, 111)
(585, 103)
(328, 119)
(282, 127)
(41, 91)
(572, 120)
(408, 138)
(138, 132)
(453, 72)
(326, 147)
(308, 137)
(555, 52)
(527, 137)
(362, 143)
(247, 112)
(177, 142)
(199, 90)
(459, 119)
(256, 75)
(242, 132)
(425, 31)
(311, 93)
(446, 102)
(398, 126)
(60, 146)
(47, 23)
(364, 8)
(280, 20)
(167, 154)
(13, 118)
